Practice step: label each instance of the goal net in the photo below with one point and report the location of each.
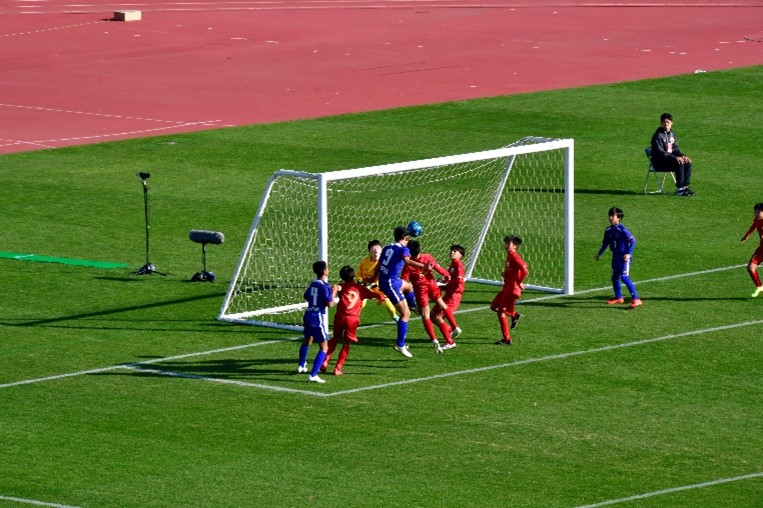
(475, 200)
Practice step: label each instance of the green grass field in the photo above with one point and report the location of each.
(593, 404)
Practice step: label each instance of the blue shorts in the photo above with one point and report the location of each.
(621, 268)
(318, 333)
(392, 289)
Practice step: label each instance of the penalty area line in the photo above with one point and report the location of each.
(674, 489)
(34, 502)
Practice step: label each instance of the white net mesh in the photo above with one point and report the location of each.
(453, 202)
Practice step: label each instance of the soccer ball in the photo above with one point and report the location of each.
(415, 229)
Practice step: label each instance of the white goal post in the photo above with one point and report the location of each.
(475, 200)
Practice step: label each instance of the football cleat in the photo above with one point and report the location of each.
(758, 291)
(315, 379)
(301, 369)
(455, 333)
(636, 303)
(503, 342)
(450, 345)
(515, 319)
(337, 371)
(614, 301)
(437, 347)
(404, 351)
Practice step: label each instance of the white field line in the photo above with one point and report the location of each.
(675, 489)
(136, 365)
(32, 501)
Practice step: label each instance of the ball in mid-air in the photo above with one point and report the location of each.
(415, 229)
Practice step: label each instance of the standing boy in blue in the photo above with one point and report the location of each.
(393, 257)
(621, 242)
(319, 296)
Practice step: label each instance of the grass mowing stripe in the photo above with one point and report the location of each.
(559, 356)
(246, 346)
(675, 489)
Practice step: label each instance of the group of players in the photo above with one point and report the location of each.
(402, 277)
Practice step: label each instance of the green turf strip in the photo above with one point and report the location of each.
(65, 261)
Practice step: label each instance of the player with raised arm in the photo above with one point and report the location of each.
(347, 318)
(757, 256)
(514, 273)
(621, 242)
(320, 296)
(393, 257)
(454, 289)
(367, 275)
(425, 288)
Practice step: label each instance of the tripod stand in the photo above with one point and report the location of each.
(149, 267)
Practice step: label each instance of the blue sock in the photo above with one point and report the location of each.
(411, 299)
(630, 286)
(617, 288)
(303, 355)
(318, 362)
(402, 331)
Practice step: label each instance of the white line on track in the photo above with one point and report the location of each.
(34, 502)
(675, 489)
(137, 366)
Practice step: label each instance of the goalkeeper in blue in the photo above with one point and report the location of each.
(320, 296)
(621, 242)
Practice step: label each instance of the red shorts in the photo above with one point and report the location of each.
(346, 327)
(757, 256)
(426, 290)
(451, 301)
(505, 302)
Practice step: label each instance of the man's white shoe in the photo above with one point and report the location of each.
(315, 379)
(404, 351)
(455, 333)
(301, 369)
(437, 347)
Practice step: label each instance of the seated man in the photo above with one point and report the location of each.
(666, 156)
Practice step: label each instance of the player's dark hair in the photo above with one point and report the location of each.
(319, 267)
(373, 243)
(666, 116)
(347, 273)
(758, 207)
(415, 247)
(459, 249)
(512, 239)
(400, 233)
(616, 211)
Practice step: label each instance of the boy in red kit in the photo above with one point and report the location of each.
(514, 274)
(454, 288)
(757, 256)
(347, 318)
(425, 288)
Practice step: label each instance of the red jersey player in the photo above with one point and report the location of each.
(757, 256)
(425, 288)
(454, 288)
(347, 317)
(514, 274)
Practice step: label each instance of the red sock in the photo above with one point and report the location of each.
(343, 355)
(331, 347)
(504, 325)
(451, 318)
(756, 279)
(429, 329)
(445, 329)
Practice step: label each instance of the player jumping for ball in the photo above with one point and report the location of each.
(393, 257)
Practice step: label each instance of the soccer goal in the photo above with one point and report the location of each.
(475, 200)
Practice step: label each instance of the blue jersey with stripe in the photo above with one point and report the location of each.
(318, 296)
(392, 260)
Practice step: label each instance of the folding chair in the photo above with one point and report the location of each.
(651, 171)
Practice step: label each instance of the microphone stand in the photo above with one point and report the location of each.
(148, 268)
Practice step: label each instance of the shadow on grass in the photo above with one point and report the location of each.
(108, 312)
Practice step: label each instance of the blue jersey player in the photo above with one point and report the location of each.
(391, 261)
(320, 296)
(621, 242)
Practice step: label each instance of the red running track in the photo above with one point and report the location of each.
(69, 75)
